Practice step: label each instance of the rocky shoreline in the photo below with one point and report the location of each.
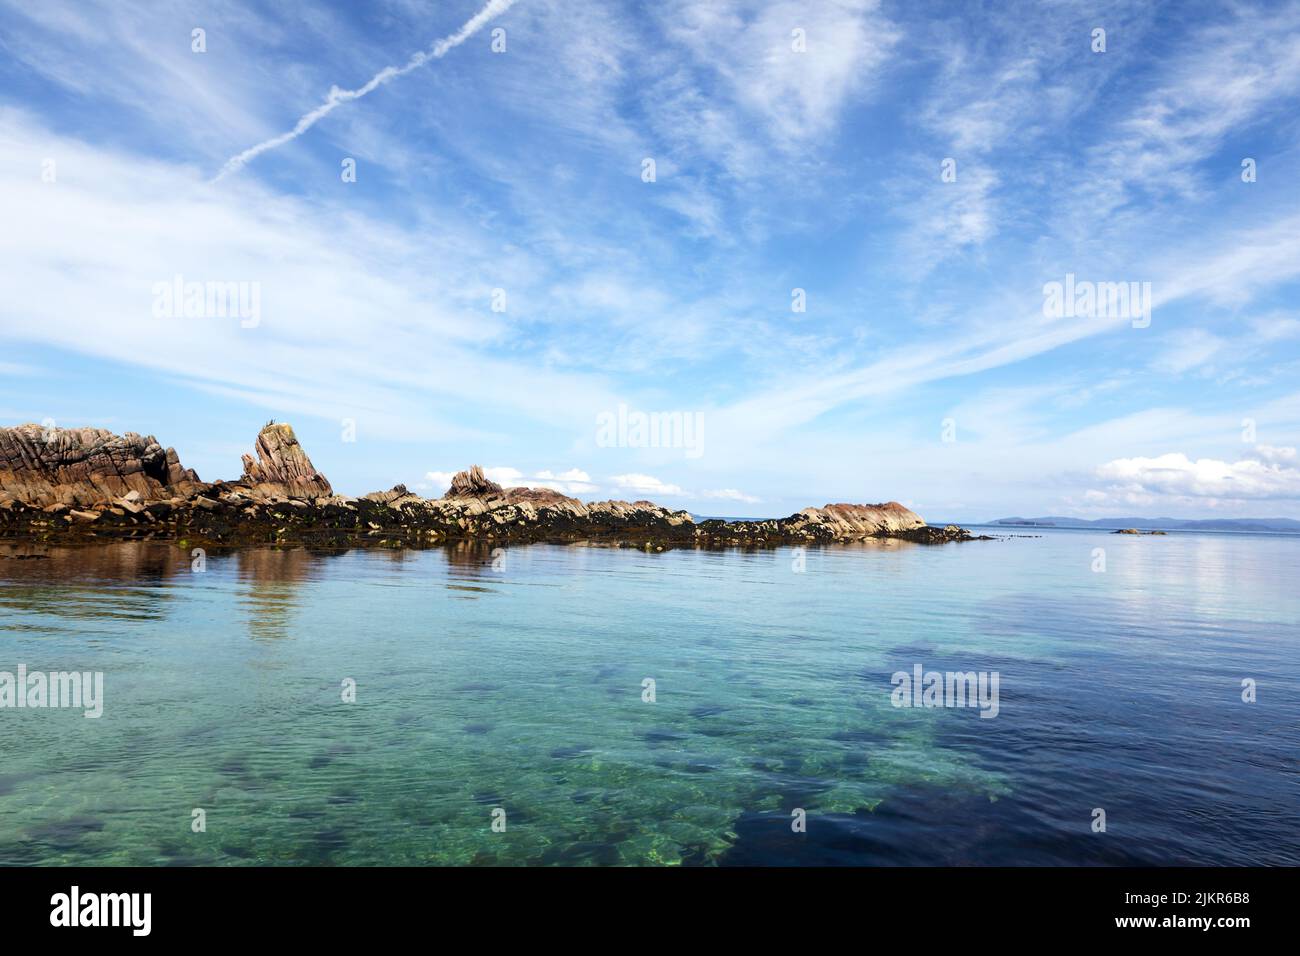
(90, 484)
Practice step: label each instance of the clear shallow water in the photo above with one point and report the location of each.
(522, 689)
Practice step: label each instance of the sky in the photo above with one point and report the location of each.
(822, 235)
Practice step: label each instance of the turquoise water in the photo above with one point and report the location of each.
(521, 689)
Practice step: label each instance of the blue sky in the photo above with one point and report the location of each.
(775, 169)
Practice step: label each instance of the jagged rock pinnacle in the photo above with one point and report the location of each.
(472, 484)
(282, 466)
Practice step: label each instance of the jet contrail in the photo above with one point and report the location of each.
(337, 97)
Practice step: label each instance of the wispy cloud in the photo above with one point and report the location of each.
(790, 65)
(1234, 73)
(777, 169)
(337, 97)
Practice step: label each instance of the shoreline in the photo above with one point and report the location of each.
(70, 485)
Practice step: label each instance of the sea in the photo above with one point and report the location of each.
(1049, 697)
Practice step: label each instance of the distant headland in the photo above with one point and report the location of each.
(1256, 525)
(88, 483)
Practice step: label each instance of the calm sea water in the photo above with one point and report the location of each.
(521, 688)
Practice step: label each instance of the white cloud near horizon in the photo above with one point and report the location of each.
(572, 482)
(649, 485)
(576, 482)
(1270, 474)
(730, 494)
(638, 484)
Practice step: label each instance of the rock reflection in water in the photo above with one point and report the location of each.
(272, 582)
(470, 560)
(89, 581)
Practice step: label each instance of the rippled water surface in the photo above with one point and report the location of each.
(521, 689)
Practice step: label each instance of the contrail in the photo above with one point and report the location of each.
(338, 97)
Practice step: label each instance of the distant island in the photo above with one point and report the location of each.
(1268, 525)
(88, 483)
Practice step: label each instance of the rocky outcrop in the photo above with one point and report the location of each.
(42, 467)
(838, 522)
(481, 507)
(472, 484)
(282, 467)
(92, 483)
(857, 521)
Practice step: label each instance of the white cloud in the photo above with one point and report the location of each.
(645, 485)
(573, 482)
(946, 217)
(730, 494)
(437, 481)
(798, 95)
(357, 308)
(1276, 455)
(1276, 327)
(504, 476)
(1004, 330)
(346, 300)
(142, 62)
(1270, 474)
(1200, 100)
